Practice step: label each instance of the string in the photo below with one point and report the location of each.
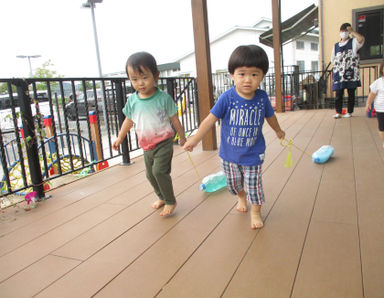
(194, 166)
(289, 160)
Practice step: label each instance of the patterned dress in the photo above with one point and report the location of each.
(346, 72)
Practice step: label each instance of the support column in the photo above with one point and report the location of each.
(203, 67)
(276, 52)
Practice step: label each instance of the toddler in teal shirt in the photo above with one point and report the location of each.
(152, 111)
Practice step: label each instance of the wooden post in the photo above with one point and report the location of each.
(203, 67)
(51, 145)
(95, 136)
(276, 53)
(96, 141)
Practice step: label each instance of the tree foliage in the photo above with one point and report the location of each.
(45, 71)
(88, 86)
(4, 88)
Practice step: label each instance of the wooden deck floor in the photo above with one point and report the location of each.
(323, 234)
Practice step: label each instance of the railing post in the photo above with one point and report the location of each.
(296, 86)
(51, 145)
(96, 141)
(30, 137)
(121, 117)
(171, 92)
(4, 163)
(171, 87)
(196, 102)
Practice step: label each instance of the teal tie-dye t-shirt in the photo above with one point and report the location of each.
(151, 118)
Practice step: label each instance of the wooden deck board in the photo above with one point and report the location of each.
(37, 277)
(125, 249)
(370, 204)
(333, 230)
(275, 252)
(322, 235)
(36, 249)
(159, 263)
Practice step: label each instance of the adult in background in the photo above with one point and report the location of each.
(346, 73)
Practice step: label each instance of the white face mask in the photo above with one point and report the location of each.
(344, 34)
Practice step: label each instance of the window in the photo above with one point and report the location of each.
(370, 23)
(314, 65)
(299, 45)
(301, 65)
(314, 46)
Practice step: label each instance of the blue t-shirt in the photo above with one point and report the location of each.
(242, 140)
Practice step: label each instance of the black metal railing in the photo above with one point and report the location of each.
(303, 90)
(55, 127)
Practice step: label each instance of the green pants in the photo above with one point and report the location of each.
(158, 170)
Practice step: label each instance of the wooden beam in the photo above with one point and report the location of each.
(276, 53)
(203, 67)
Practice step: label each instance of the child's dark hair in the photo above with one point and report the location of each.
(344, 26)
(250, 55)
(141, 60)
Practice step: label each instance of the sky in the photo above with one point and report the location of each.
(62, 31)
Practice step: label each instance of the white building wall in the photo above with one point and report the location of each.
(188, 65)
(222, 48)
(307, 55)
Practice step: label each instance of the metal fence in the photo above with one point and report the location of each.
(303, 90)
(55, 127)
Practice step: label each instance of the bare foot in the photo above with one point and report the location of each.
(168, 210)
(242, 202)
(256, 220)
(158, 204)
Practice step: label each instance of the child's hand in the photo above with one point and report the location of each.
(367, 108)
(116, 144)
(280, 134)
(189, 145)
(182, 141)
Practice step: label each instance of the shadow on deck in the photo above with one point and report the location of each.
(323, 233)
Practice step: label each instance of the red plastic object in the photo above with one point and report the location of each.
(47, 121)
(288, 102)
(92, 117)
(46, 186)
(102, 165)
(372, 113)
(343, 112)
(51, 171)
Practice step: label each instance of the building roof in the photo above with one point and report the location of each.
(295, 27)
(168, 66)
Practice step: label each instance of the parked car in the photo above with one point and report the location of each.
(81, 105)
